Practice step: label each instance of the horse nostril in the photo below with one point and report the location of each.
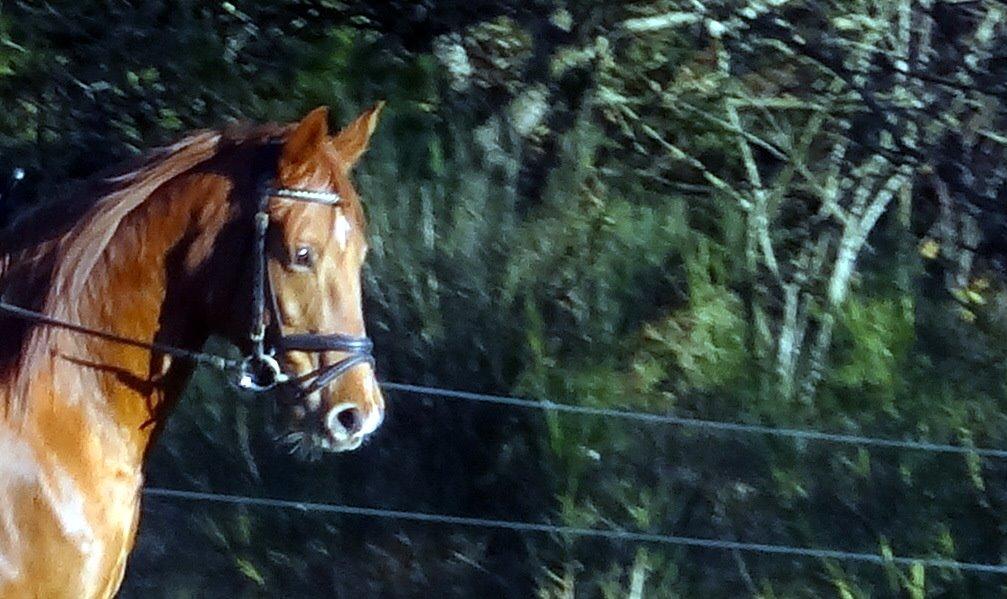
(349, 418)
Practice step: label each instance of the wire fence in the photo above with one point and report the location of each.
(597, 533)
(697, 423)
(617, 534)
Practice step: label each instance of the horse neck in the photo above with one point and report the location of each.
(149, 283)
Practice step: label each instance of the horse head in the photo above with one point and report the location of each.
(314, 252)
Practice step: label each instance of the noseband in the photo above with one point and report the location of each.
(260, 371)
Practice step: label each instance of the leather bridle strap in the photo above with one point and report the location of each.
(358, 348)
(260, 275)
(324, 376)
(262, 362)
(332, 342)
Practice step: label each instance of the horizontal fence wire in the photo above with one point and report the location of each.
(697, 423)
(597, 533)
(615, 534)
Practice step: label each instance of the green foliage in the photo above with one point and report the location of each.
(879, 333)
(705, 340)
(634, 205)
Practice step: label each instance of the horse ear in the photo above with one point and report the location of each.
(351, 142)
(307, 136)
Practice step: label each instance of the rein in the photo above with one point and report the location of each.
(208, 359)
(259, 371)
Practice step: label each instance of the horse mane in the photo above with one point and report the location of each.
(48, 254)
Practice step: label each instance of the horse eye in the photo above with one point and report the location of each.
(304, 257)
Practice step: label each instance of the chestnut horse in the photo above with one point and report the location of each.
(110, 296)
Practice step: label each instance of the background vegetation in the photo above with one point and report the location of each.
(778, 212)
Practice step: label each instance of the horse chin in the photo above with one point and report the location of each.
(307, 442)
(309, 446)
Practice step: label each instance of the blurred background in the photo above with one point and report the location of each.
(773, 212)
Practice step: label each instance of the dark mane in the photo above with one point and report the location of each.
(69, 204)
(79, 220)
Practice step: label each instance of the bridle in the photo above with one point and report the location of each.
(258, 371)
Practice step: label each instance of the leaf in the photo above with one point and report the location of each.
(917, 581)
(246, 568)
(929, 248)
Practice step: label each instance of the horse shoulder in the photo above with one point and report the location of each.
(57, 539)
